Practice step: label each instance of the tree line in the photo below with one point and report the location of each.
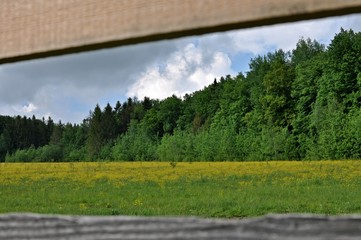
(301, 104)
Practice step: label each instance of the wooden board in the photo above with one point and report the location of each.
(40, 28)
(280, 227)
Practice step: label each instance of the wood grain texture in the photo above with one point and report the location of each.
(40, 28)
(280, 227)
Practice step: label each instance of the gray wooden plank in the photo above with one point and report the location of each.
(271, 227)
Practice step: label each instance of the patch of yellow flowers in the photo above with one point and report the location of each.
(161, 172)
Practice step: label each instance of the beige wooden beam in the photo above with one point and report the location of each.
(40, 28)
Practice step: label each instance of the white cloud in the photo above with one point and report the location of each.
(185, 71)
(263, 39)
(28, 108)
(18, 109)
(260, 40)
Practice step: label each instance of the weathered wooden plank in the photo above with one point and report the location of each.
(39, 28)
(280, 227)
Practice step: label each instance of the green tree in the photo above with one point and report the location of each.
(343, 69)
(168, 114)
(306, 50)
(305, 90)
(277, 103)
(5, 144)
(95, 140)
(108, 125)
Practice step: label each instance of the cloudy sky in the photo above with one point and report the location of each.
(68, 87)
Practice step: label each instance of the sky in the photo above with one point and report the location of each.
(66, 88)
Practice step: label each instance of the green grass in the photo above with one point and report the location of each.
(206, 197)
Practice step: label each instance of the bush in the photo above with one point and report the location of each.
(76, 155)
(22, 155)
(51, 153)
(47, 153)
(177, 147)
(135, 145)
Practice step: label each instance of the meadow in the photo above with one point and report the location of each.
(207, 189)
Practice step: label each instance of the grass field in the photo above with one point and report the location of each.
(217, 189)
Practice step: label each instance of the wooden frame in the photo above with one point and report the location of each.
(32, 29)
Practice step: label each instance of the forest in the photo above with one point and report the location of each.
(303, 104)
